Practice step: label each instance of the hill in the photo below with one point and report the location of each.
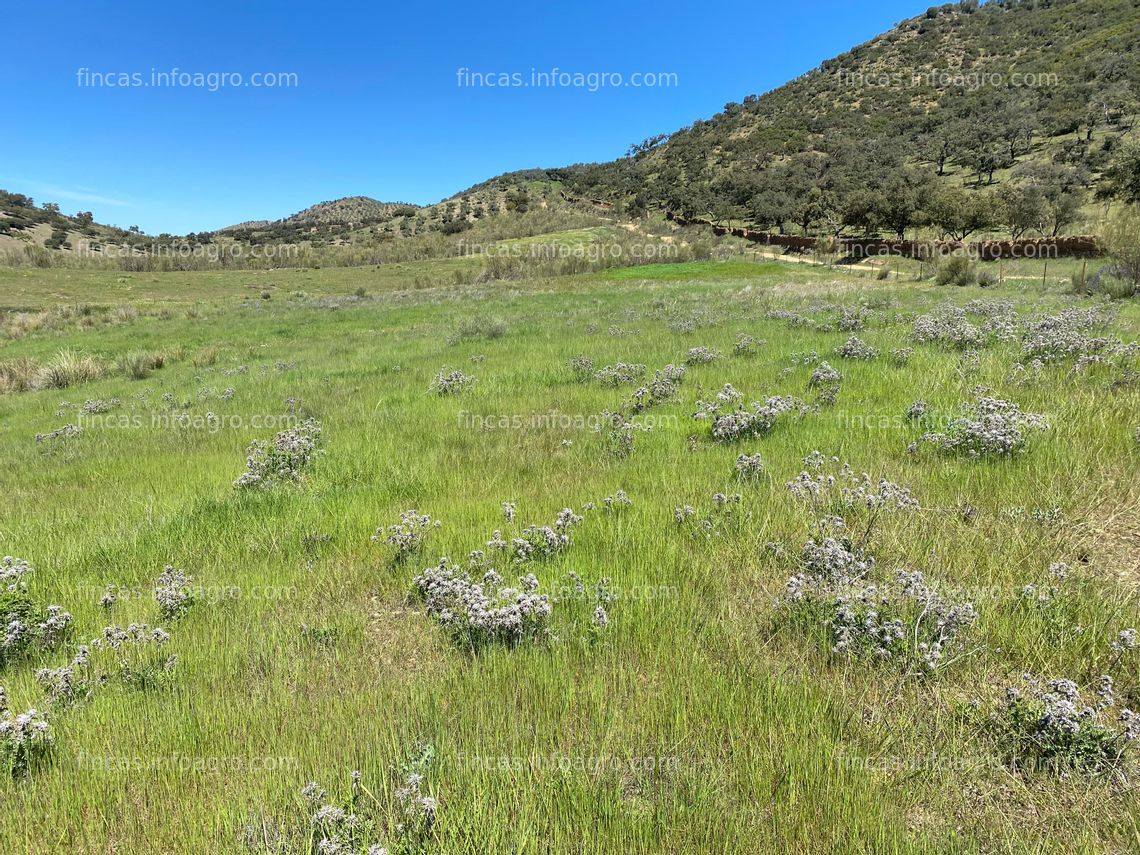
(1037, 95)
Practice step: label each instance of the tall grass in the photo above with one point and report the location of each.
(694, 722)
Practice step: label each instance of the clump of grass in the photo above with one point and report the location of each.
(205, 357)
(124, 314)
(476, 328)
(69, 368)
(956, 270)
(139, 364)
(19, 375)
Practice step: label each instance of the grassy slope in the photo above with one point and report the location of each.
(758, 723)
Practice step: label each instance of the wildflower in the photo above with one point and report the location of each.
(283, 459)
(856, 348)
(409, 534)
(823, 375)
(13, 573)
(23, 736)
(451, 382)
(476, 616)
(1125, 640)
(901, 357)
(172, 592)
(749, 465)
(746, 345)
(620, 374)
(702, 355)
(988, 427)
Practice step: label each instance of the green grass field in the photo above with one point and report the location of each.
(698, 719)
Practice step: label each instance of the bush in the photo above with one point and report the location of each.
(955, 270)
(1121, 241)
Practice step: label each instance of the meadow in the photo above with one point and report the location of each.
(659, 685)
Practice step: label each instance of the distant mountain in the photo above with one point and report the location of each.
(333, 217)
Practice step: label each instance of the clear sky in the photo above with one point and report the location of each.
(372, 100)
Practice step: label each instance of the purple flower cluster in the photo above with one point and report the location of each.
(988, 427)
(741, 422)
(451, 381)
(281, 460)
(409, 534)
(828, 485)
(476, 614)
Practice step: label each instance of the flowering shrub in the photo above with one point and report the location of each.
(824, 375)
(621, 374)
(282, 460)
(901, 619)
(26, 625)
(948, 326)
(476, 614)
(131, 657)
(661, 389)
(856, 348)
(741, 422)
(410, 533)
(746, 345)
(172, 593)
(540, 542)
(988, 427)
(725, 516)
(618, 500)
(450, 381)
(1057, 337)
(1059, 727)
(582, 367)
(702, 355)
(59, 434)
(853, 319)
(355, 826)
(831, 487)
(619, 433)
(23, 736)
(99, 406)
(749, 466)
(901, 356)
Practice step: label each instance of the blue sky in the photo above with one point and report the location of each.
(377, 108)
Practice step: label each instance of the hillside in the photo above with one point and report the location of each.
(1037, 95)
(23, 223)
